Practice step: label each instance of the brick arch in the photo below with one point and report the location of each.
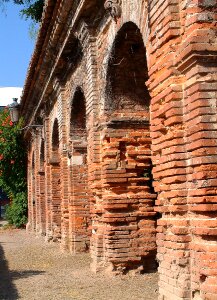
(127, 73)
(79, 209)
(137, 11)
(78, 115)
(127, 191)
(56, 200)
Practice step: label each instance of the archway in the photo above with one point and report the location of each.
(78, 117)
(126, 90)
(55, 184)
(127, 192)
(42, 189)
(79, 202)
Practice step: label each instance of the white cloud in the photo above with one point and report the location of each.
(7, 93)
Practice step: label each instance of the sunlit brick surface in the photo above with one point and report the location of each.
(125, 165)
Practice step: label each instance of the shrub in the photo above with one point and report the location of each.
(16, 212)
(13, 169)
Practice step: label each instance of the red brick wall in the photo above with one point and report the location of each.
(148, 82)
(123, 221)
(183, 147)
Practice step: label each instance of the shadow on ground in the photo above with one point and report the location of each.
(8, 290)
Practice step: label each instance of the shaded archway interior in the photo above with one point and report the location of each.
(78, 116)
(126, 89)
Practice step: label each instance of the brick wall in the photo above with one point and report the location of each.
(129, 139)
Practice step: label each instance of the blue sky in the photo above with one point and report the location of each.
(16, 47)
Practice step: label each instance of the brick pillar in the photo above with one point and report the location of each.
(169, 158)
(32, 200)
(56, 200)
(65, 168)
(55, 184)
(31, 220)
(41, 174)
(65, 195)
(79, 200)
(169, 150)
(182, 76)
(37, 139)
(80, 209)
(201, 137)
(47, 167)
(197, 60)
(42, 201)
(88, 41)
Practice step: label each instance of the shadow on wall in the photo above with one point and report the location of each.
(8, 289)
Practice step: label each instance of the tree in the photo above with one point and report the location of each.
(13, 169)
(32, 9)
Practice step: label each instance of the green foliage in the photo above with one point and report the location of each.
(34, 11)
(32, 8)
(16, 212)
(13, 168)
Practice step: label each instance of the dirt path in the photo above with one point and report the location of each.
(33, 269)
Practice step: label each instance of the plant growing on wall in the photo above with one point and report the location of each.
(13, 169)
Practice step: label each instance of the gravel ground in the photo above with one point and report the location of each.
(33, 269)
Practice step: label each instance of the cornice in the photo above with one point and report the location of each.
(58, 29)
(44, 30)
(60, 23)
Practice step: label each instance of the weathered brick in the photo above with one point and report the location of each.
(129, 111)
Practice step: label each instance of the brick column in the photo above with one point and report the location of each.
(182, 76)
(30, 224)
(42, 201)
(80, 208)
(32, 193)
(88, 41)
(65, 168)
(169, 153)
(79, 192)
(197, 60)
(47, 168)
(37, 139)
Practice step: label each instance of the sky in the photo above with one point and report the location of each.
(7, 93)
(15, 52)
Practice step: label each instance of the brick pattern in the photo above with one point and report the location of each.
(55, 183)
(180, 134)
(135, 167)
(123, 215)
(200, 95)
(47, 167)
(79, 221)
(128, 198)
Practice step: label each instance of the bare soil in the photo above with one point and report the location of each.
(33, 269)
